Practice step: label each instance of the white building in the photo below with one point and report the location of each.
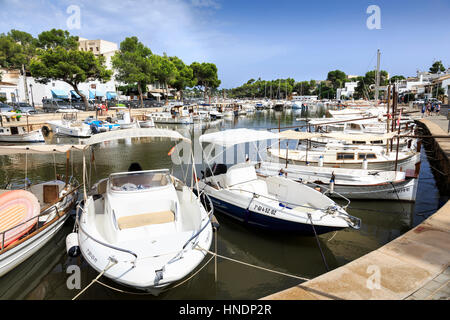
(347, 91)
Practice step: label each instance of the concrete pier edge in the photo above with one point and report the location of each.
(412, 266)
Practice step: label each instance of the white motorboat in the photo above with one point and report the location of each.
(69, 126)
(168, 118)
(17, 133)
(152, 243)
(272, 203)
(53, 201)
(349, 183)
(146, 123)
(345, 156)
(349, 157)
(20, 134)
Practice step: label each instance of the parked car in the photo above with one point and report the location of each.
(5, 108)
(434, 100)
(23, 107)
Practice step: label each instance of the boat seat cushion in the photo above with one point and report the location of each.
(145, 219)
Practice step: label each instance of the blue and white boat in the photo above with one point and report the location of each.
(273, 203)
(101, 126)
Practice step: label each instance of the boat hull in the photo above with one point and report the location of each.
(30, 137)
(257, 220)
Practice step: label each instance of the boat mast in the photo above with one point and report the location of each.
(377, 81)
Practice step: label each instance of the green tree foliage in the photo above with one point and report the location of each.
(133, 66)
(11, 53)
(57, 38)
(437, 67)
(337, 78)
(394, 79)
(185, 75)
(325, 90)
(71, 66)
(163, 70)
(365, 87)
(206, 76)
(262, 88)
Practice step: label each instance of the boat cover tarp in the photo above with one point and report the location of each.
(298, 135)
(359, 137)
(135, 133)
(36, 148)
(237, 136)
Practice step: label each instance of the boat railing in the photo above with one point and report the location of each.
(43, 213)
(283, 203)
(99, 241)
(209, 214)
(328, 190)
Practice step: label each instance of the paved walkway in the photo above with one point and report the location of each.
(413, 266)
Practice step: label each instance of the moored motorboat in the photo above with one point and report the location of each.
(155, 242)
(272, 203)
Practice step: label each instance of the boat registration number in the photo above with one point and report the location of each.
(91, 255)
(263, 209)
(405, 189)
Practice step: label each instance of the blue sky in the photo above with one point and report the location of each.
(250, 39)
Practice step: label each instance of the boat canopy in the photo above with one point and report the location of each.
(135, 133)
(298, 135)
(43, 148)
(232, 137)
(359, 137)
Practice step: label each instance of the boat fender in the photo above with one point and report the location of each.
(364, 164)
(321, 161)
(72, 245)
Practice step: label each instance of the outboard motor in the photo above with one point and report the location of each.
(72, 245)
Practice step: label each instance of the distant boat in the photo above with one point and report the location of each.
(18, 133)
(69, 126)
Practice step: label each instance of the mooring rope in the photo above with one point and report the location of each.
(164, 290)
(252, 265)
(110, 265)
(318, 242)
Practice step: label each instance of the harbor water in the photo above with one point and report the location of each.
(45, 274)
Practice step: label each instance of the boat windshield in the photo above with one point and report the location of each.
(138, 181)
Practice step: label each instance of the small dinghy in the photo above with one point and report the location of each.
(143, 229)
(30, 218)
(17, 208)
